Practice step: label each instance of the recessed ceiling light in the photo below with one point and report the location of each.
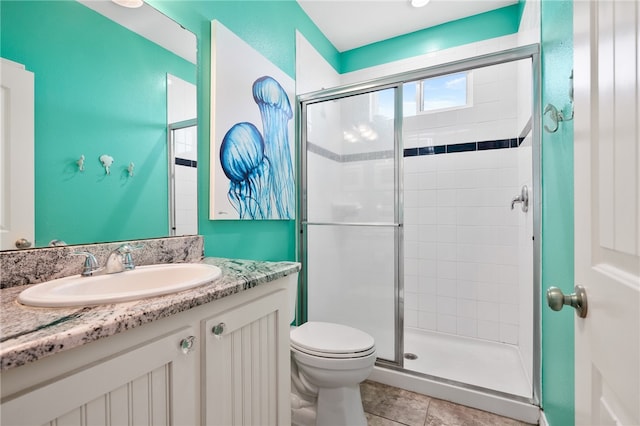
(419, 3)
(132, 4)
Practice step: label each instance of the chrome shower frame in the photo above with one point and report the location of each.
(396, 81)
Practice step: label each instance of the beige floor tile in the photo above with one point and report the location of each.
(373, 420)
(394, 404)
(444, 413)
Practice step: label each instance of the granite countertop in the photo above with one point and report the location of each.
(28, 334)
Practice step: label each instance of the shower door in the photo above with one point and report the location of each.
(183, 177)
(351, 224)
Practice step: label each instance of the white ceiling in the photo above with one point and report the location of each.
(354, 23)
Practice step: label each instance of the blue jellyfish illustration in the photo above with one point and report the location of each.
(275, 110)
(260, 169)
(244, 162)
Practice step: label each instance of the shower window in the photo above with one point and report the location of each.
(437, 94)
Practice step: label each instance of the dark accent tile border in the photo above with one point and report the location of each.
(415, 152)
(462, 147)
(323, 152)
(185, 162)
(365, 156)
(376, 155)
(498, 144)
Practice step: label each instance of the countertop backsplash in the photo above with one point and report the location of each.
(32, 266)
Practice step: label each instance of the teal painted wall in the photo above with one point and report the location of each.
(99, 89)
(269, 27)
(475, 28)
(557, 215)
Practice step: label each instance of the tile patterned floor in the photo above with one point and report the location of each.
(389, 406)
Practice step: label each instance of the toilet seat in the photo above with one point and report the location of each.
(329, 340)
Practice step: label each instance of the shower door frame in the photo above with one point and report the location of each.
(396, 81)
(171, 150)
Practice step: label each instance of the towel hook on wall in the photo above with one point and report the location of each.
(556, 115)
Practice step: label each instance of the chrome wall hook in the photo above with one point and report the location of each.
(555, 116)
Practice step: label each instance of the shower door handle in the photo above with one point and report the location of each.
(523, 199)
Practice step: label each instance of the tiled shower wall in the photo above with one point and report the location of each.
(461, 244)
(461, 239)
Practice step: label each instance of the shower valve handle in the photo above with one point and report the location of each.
(523, 198)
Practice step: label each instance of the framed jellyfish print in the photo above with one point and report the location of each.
(252, 133)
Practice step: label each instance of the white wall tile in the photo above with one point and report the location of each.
(447, 269)
(410, 318)
(467, 308)
(411, 249)
(427, 320)
(427, 268)
(509, 333)
(447, 287)
(411, 283)
(447, 251)
(427, 303)
(488, 311)
(428, 198)
(447, 233)
(427, 250)
(428, 285)
(508, 313)
(467, 290)
(447, 323)
(411, 300)
(489, 330)
(467, 327)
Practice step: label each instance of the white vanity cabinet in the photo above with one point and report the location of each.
(144, 385)
(246, 348)
(186, 369)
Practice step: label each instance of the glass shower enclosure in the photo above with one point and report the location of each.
(377, 197)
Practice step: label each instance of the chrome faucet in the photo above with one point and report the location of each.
(90, 266)
(120, 259)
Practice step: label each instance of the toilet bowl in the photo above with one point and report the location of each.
(328, 363)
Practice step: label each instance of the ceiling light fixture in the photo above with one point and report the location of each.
(419, 3)
(131, 4)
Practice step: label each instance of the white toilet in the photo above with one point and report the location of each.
(328, 363)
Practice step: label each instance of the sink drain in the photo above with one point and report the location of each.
(409, 355)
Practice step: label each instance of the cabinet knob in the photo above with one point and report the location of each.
(23, 243)
(218, 329)
(186, 344)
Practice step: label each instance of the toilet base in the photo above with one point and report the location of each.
(333, 407)
(340, 406)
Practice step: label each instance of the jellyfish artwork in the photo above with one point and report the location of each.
(275, 110)
(243, 160)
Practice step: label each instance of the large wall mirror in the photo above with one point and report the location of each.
(115, 82)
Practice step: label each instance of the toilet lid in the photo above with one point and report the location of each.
(329, 338)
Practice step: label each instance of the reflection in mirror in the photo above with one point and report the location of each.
(103, 89)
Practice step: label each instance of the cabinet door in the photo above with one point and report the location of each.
(247, 364)
(151, 384)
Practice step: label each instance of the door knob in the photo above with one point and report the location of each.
(578, 300)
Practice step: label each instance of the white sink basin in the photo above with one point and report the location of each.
(144, 281)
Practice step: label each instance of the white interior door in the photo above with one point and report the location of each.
(16, 155)
(607, 210)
